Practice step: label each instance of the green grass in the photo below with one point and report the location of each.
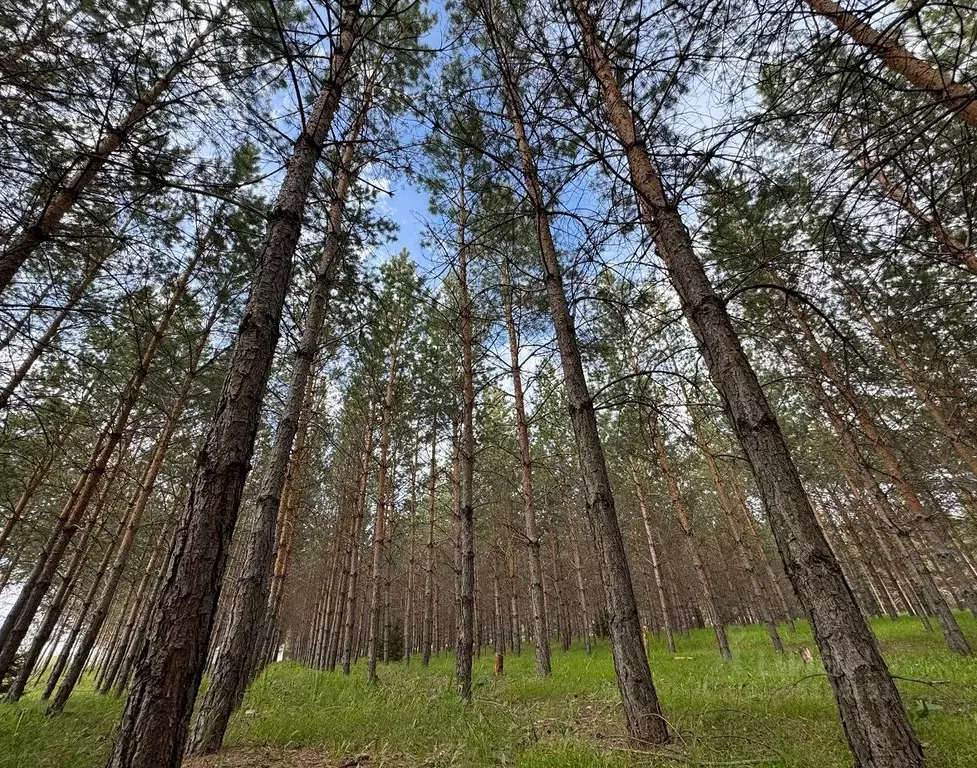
(756, 710)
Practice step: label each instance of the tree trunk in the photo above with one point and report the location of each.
(380, 519)
(872, 713)
(746, 562)
(682, 516)
(581, 592)
(540, 630)
(110, 669)
(643, 716)
(466, 454)
(663, 601)
(155, 721)
(137, 507)
(931, 525)
(357, 534)
(74, 296)
(427, 636)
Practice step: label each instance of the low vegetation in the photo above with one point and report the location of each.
(758, 709)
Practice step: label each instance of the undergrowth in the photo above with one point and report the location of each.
(759, 709)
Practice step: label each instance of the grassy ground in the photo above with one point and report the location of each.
(756, 710)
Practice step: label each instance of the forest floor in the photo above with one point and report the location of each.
(759, 709)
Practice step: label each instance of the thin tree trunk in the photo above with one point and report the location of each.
(466, 454)
(906, 549)
(682, 516)
(581, 592)
(930, 524)
(357, 535)
(137, 507)
(150, 574)
(643, 716)
(427, 636)
(663, 601)
(380, 519)
(89, 164)
(540, 630)
(74, 296)
(746, 562)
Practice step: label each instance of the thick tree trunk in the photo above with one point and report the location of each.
(237, 656)
(540, 630)
(154, 724)
(872, 713)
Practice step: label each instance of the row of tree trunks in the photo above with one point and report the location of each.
(36, 586)
(137, 506)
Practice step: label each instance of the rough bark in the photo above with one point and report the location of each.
(155, 721)
(872, 714)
